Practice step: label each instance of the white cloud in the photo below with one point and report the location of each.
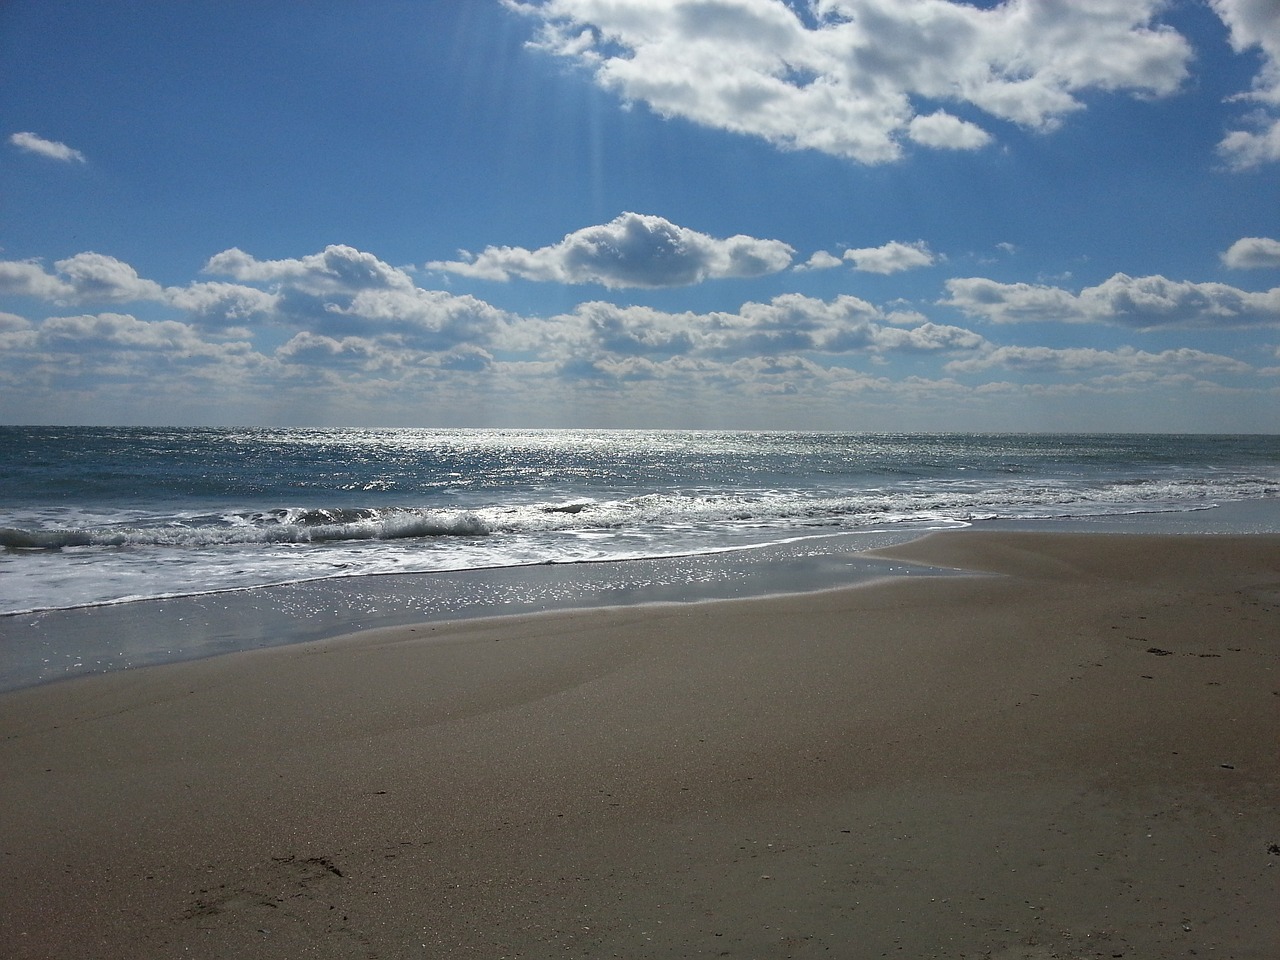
(1078, 359)
(96, 277)
(26, 278)
(84, 278)
(1250, 252)
(786, 325)
(820, 261)
(942, 130)
(1245, 150)
(32, 143)
(336, 269)
(1255, 23)
(893, 257)
(344, 297)
(633, 250)
(341, 329)
(430, 320)
(1141, 302)
(116, 332)
(851, 84)
(222, 301)
(16, 333)
(309, 349)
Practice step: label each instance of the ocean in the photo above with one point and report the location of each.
(96, 518)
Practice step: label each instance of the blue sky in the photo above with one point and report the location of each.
(838, 214)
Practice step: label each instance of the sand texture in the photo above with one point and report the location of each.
(1077, 756)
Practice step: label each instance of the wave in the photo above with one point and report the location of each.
(652, 513)
(284, 526)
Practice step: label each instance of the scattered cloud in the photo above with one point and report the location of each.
(1248, 149)
(820, 261)
(852, 84)
(26, 278)
(222, 302)
(338, 268)
(1138, 302)
(32, 143)
(345, 322)
(1255, 24)
(95, 277)
(1250, 252)
(633, 250)
(16, 333)
(341, 293)
(85, 277)
(787, 324)
(942, 130)
(105, 334)
(893, 257)
(1078, 359)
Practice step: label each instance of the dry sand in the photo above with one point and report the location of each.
(1075, 758)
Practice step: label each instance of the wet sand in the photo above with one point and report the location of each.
(1075, 756)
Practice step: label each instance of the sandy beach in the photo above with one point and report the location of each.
(1071, 755)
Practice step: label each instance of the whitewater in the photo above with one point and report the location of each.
(92, 516)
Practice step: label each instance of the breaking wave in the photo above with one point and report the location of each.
(646, 514)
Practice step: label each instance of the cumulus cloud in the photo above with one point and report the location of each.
(1248, 252)
(1079, 359)
(115, 332)
(85, 277)
(26, 278)
(1255, 24)
(310, 349)
(893, 257)
(941, 129)
(786, 325)
(96, 278)
(216, 301)
(32, 143)
(424, 319)
(852, 84)
(344, 324)
(99, 278)
(820, 261)
(336, 269)
(1247, 149)
(1140, 302)
(345, 303)
(633, 250)
(16, 333)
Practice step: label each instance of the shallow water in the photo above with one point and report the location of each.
(41, 647)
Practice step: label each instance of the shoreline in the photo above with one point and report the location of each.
(50, 646)
(1073, 758)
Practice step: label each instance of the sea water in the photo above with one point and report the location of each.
(94, 521)
(94, 516)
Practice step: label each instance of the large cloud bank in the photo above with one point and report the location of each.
(343, 327)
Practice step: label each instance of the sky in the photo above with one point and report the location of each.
(1041, 215)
